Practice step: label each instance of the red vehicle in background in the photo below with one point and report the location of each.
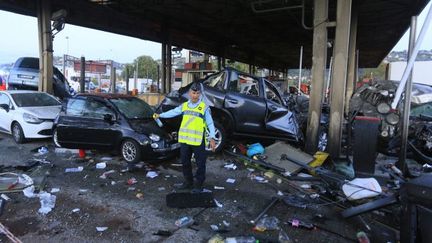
(2, 83)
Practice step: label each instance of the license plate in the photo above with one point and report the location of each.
(175, 146)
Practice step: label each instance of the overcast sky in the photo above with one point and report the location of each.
(19, 38)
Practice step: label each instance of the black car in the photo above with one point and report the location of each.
(111, 122)
(241, 105)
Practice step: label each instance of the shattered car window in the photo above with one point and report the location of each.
(96, 110)
(244, 85)
(216, 81)
(133, 108)
(271, 93)
(75, 107)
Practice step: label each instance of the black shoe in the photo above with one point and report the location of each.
(198, 187)
(184, 186)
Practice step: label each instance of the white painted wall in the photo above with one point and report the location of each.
(422, 72)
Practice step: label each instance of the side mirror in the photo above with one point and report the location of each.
(5, 107)
(108, 118)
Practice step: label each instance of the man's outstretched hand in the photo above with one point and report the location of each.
(213, 144)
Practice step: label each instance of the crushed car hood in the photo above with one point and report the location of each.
(148, 126)
(43, 112)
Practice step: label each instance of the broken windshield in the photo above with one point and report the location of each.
(133, 108)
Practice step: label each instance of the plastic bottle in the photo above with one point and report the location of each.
(160, 124)
(242, 239)
(184, 222)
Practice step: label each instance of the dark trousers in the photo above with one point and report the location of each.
(200, 157)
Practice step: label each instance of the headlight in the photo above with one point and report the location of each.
(31, 119)
(392, 119)
(154, 137)
(383, 108)
(154, 145)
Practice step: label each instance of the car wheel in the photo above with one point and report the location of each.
(220, 137)
(131, 151)
(55, 139)
(18, 133)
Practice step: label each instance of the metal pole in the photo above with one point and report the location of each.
(326, 96)
(319, 52)
(169, 67)
(407, 100)
(136, 75)
(158, 78)
(113, 78)
(127, 80)
(82, 75)
(64, 65)
(163, 68)
(339, 76)
(300, 68)
(412, 58)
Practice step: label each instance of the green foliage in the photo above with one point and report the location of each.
(147, 68)
(239, 66)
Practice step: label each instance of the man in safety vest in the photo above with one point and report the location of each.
(191, 136)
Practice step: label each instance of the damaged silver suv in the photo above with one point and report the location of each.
(241, 105)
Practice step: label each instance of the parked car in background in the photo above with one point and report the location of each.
(24, 75)
(241, 105)
(113, 121)
(2, 83)
(27, 114)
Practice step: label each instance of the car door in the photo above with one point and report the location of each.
(244, 100)
(5, 116)
(83, 125)
(279, 121)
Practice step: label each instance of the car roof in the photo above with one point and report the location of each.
(21, 91)
(105, 95)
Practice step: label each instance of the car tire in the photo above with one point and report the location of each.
(221, 137)
(55, 139)
(130, 151)
(17, 133)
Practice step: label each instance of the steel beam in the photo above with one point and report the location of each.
(127, 80)
(113, 78)
(407, 101)
(45, 46)
(339, 75)
(319, 57)
(352, 77)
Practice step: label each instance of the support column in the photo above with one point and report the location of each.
(45, 46)
(168, 67)
(82, 75)
(339, 76)
(223, 62)
(158, 78)
(352, 77)
(126, 80)
(250, 69)
(319, 58)
(219, 63)
(113, 78)
(163, 67)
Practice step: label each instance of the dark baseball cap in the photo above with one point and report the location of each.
(195, 86)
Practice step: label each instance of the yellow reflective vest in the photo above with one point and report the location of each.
(192, 127)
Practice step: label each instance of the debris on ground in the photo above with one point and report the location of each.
(267, 223)
(184, 222)
(132, 181)
(230, 180)
(152, 174)
(101, 165)
(101, 229)
(106, 173)
(73, 170)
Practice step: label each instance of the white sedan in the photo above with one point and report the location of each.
(27, 114)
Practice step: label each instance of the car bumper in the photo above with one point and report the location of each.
(43, 130)
(169, 151)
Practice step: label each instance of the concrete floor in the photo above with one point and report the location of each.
(109, 203)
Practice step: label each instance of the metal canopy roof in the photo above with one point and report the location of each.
(231, 28)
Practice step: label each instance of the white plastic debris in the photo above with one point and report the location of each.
(101, 229)
(219, 188)
(5, 197)
(47, 202)
(214, 227)
(106, 159)
(279, 193)
(226, 223)
(230, 180)
(54, 190)
(161, 189)
(78, 169)
(83, 190)
(29, 192)
(113, 183)
(218, 203)
(152, 174)
(76, 210)
(305, 186)
(361, 188)
(65, 150)
(231, 166)
(101, 165)
(104, 175)
(206, 190)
